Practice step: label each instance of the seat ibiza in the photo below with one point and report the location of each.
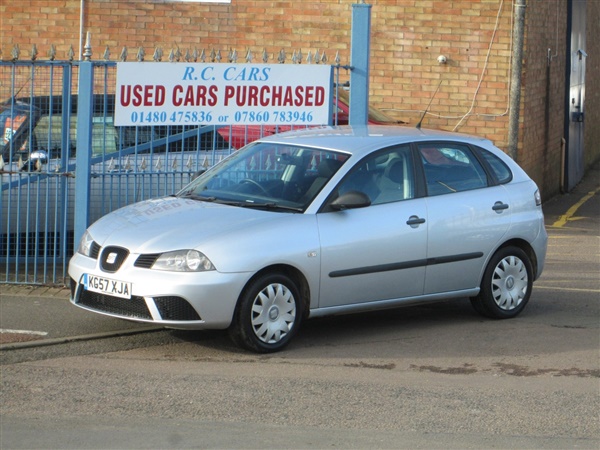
(321, 222)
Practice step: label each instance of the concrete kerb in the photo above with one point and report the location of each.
(60, 293)
(85, 337)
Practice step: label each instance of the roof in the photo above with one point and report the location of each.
(353, 139)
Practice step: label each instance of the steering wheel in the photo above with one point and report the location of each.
(254, 183)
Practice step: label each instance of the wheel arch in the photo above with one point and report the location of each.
(528, 249)
(290, 271)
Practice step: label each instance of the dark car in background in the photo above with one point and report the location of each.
(45, 128)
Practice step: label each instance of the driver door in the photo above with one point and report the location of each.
(376, 252)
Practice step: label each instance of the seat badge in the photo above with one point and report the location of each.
(111, 258)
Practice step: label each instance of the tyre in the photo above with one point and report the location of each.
(268, 314)
(506, 284)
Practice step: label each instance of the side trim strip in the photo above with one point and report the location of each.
(378, 268)
(453, 258)
(391, 303)
(405, 265)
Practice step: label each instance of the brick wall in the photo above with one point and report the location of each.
(243, 24)
(543, 111)
(407, 38)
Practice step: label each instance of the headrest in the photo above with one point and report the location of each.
(395, 170)
(327, 167)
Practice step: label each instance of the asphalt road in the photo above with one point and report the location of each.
(436, 376)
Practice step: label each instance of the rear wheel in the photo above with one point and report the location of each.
(506, 284)
(268, 314)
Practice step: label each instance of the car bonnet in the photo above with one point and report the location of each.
(171, 223)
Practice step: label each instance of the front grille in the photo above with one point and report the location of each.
(73, 287)
(175, 308)
(134, 307)
(112, 258)
(146, 261)
(95, 250)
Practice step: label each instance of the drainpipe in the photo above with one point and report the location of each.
(515, 79)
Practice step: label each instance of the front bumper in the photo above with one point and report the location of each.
(199, 300)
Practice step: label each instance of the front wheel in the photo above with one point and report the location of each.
(268, 314)
(506, 284)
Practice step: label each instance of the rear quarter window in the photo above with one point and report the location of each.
(500, 169)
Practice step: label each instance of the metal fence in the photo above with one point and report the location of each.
(57, 132)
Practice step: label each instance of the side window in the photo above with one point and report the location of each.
(385, 177)
(501, 170)
(131, 136)
(450, 167)
(48, 135)
(104, 135)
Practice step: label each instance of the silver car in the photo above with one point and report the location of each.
(320, 222)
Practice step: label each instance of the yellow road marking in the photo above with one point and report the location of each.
(562, 220)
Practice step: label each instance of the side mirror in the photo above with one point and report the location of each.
(351, 200)
(35, 161)
(197, 174)
(39, 155)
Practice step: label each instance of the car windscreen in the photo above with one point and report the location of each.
(267, 175)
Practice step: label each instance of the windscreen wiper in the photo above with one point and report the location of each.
(201, 198)
(271, 206)
(212, 199)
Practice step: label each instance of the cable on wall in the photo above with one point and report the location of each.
(469, 113)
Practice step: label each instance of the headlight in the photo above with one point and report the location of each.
(183, 261)
(85, 245)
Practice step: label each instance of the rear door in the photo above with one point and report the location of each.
(466, 216)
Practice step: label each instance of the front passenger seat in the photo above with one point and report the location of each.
(394, 182)
(325, 170)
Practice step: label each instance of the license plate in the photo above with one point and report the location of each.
(107, 286)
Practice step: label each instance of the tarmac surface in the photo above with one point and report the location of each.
(32, 316)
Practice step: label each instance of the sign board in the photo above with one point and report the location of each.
(154, 93)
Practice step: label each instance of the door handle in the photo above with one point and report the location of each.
(499, 207)
(415, 221)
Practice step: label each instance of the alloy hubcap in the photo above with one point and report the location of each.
(273, 313)
(509, 283)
